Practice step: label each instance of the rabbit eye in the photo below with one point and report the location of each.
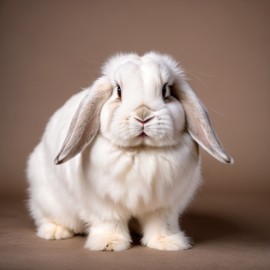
(119, 91)
(165, 91)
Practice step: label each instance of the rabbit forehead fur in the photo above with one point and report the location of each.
(151, 65)
(141, 80)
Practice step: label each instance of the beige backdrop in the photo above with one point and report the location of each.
(51, 49)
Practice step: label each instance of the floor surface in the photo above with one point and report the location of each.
(229, 232)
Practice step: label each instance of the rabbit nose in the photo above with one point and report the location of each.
(145, 120)
(143, 114)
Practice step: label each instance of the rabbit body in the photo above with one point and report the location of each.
(108, 181)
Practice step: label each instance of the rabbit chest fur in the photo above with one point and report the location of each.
(137, 181)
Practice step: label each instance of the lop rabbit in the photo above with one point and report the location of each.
(126, 147)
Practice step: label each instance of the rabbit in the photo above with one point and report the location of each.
(126, 147)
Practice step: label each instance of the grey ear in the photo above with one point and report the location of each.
(85, 123)
(199, 125)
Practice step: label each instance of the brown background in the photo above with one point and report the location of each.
(51, 49)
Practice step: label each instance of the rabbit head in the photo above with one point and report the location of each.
(139, 102)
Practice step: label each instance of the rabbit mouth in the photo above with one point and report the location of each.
(143, 135)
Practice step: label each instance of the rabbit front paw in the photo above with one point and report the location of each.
(52, 231)
(168, 242)
(107, 242)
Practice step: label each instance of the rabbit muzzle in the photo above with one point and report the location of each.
(143, 114)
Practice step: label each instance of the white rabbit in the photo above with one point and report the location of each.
(130, 150)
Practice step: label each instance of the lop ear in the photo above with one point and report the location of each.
(85, 123)
(198, 123)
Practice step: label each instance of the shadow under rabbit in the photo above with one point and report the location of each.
(199, 227)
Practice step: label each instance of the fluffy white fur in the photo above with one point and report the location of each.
(118, 173)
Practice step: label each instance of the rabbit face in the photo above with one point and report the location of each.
(141, 101)
(141, 109)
